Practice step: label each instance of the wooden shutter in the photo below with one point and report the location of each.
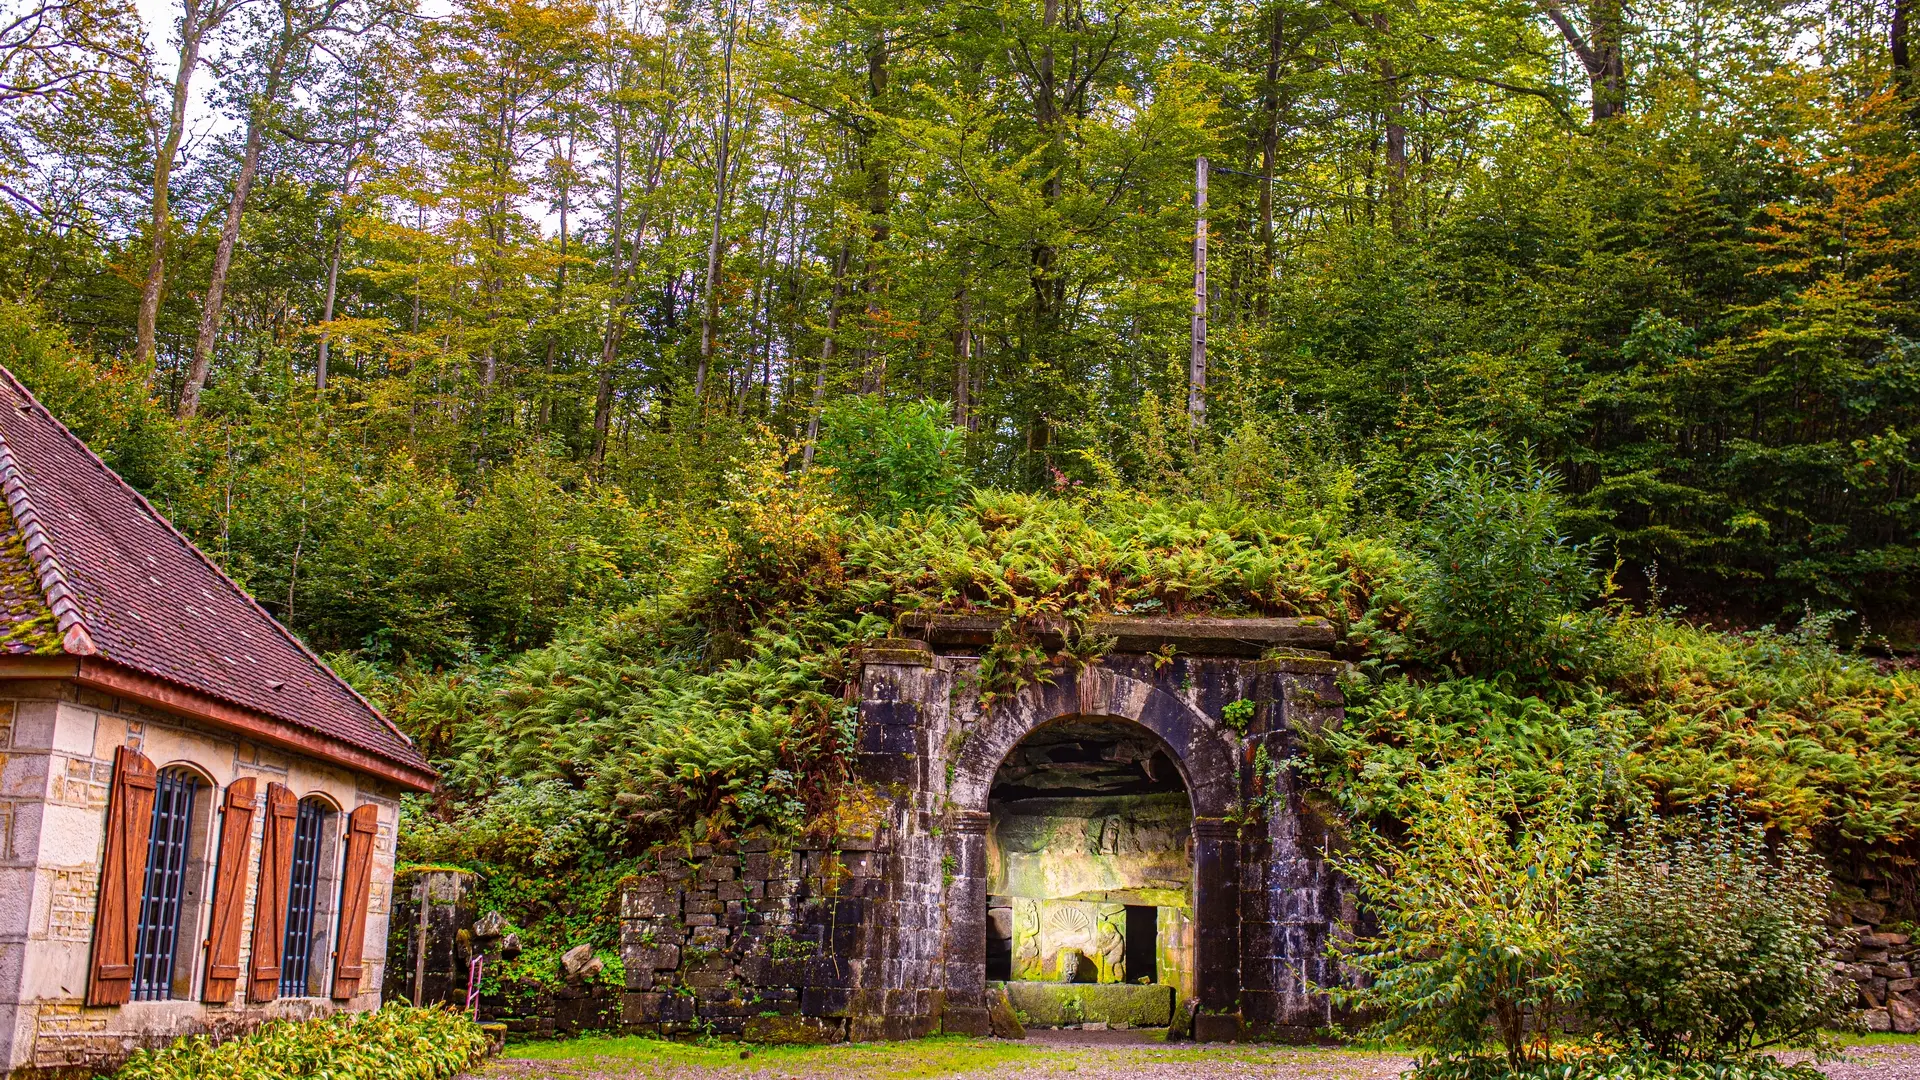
(122, 877)
(270, 898)
(229, 892)
(355, 895)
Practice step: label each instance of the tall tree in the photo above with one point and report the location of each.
(198, 20)
(282, 48)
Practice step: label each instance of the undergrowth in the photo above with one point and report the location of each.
(721, 700)
(396, 1042)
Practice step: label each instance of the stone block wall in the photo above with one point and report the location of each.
(778, 944)
(1883, 961)
(431, 939)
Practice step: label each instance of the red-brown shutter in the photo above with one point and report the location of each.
(355, 893)
(270, 898)
(229, 892)
(122, 877)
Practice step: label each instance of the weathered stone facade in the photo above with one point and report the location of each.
(887, 935)
(59, 742)
(883, 931)
(1262, 902)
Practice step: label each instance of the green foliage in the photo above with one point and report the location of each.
(396, 1042)
(1814, 741)
(1603, 1065)
(1239, 714)
(1280, 459)
(1474, 906)
(1034, 556)
(107, 406)
(888, 457)
(1501, 745)
(1499, 585)
(1699, 941)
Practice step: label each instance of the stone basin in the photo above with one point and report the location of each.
(1050, 1004)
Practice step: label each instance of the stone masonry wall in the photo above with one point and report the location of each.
(780, 945)
(1884, 959)
(56, 763)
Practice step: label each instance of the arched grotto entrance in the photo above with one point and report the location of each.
(1089, 868)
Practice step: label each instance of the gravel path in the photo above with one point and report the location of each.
(1878, 1063)
(1069, 1055)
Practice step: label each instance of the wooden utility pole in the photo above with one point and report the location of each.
(1197, 366)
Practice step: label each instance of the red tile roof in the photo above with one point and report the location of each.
(88, 568)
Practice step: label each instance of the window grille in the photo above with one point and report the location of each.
(158, 932)
(296, 955)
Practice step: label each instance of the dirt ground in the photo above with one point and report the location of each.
(1061, 1055)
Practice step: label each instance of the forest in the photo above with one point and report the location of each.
(588, 380)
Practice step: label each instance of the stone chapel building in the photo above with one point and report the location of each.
(197, 817)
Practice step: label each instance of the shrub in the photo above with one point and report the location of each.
(1607, 1066)
(891, 457)
(1474, 906)
(1499, 586)
(1699, 942)
(1814, 741)
(397, 1042)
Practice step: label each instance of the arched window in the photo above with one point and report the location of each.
(310, 900)
(174, 890)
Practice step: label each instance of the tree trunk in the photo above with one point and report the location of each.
(257, 118)
(827, 344)
(1603, 56)
(1269, 150)
(1898, 46)
(217, 285)
(559, 295)
(326, 309)
(1396, 124)
(879, 207)
(1610, 82)
(1197, 360)
(962, 351)
(624, 288)
(193, 30)
(710, 309)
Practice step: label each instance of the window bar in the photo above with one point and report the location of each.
(296, 952)
(158, 931)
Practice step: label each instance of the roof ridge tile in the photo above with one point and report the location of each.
(75, 639)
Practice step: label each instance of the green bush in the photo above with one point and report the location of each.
(1606, 1066)
(1700, 942)
(1499, 586)
(1473, 907)
(891, 457)
(397, 1042)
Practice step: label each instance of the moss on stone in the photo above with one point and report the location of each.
(27, 624)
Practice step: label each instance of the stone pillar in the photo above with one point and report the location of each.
(965, 965)
(431, 938)
(1289, 898)
(1216, 908)
(893, 675)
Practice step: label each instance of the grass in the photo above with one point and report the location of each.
(933, 1057)
(922, 1059)
(1879, 1038)
(608, 1057)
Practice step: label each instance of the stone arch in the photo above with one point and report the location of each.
(1201, 750)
